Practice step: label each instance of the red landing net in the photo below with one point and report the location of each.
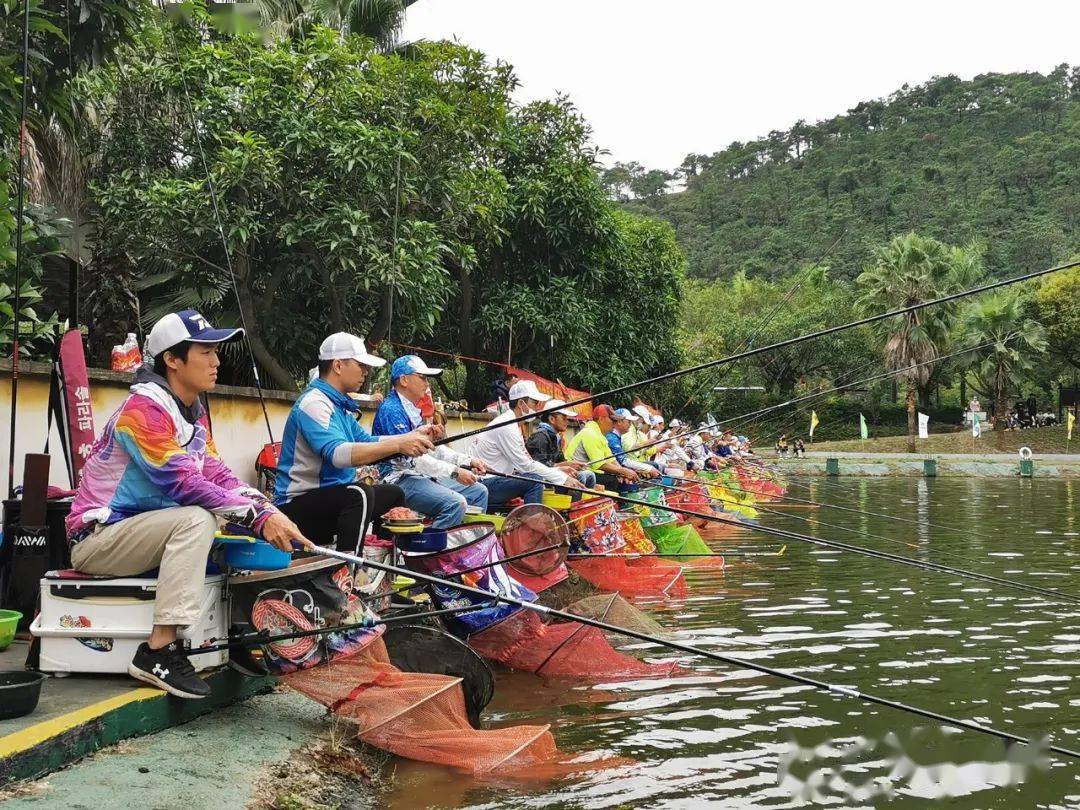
(420, 716)
(564, 649)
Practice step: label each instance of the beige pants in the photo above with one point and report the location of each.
(175, 540)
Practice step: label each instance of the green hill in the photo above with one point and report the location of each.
(994, 159)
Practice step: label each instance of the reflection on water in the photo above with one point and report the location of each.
(959, 647)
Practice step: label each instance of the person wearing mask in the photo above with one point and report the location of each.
(502, 449)
(547, 443)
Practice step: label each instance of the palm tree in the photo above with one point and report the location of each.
(379, 20)
(1013, 339)
(910, 270)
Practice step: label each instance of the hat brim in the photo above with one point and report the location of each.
(216, 336)
(370, 360)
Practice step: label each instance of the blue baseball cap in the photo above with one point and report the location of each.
(411, 364)
(188, 325)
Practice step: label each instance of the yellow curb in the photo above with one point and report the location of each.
(27, 738)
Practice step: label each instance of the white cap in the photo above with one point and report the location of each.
(343, 346)
(643, 412)
(676, 423)
(558, 403)
(526, 389)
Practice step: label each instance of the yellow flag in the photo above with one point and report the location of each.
(813, 422)
(1070, 420)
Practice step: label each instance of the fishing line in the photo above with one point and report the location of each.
(833, 544)
(749, 339)
(670, 375)
(862, 532)
(20, 248)
(740, 420)
(793, 499)
(260, 639)
(845, 691)
(217, 219)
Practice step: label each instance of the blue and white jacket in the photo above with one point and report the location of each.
(316, 450)
(396, 415)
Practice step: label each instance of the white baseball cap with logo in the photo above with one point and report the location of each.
(187, 325)
(526, 389)
(343, 346)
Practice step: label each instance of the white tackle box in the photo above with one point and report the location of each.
(95, 625)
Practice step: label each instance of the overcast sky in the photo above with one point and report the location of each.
(658, 80)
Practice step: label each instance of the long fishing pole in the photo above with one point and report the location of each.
(670, 375)
(871, 535)
(20, 248)
(845, 691)
(867, 512)
(260, 639)
(738, 421)
(833, 544)
(220, 226)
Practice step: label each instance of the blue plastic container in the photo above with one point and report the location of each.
(425, 541)
(253, 555)
(667, 481)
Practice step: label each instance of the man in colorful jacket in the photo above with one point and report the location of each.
(440, 483)
(324, 444)
(154, 491)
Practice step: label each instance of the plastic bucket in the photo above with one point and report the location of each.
(556, 501)
(9, 620)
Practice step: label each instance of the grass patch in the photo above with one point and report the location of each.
(1040, 440)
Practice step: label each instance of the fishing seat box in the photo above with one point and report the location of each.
(89, 625)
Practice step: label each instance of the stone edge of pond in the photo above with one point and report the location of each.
(947, 464)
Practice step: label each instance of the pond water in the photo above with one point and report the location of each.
(965, 649)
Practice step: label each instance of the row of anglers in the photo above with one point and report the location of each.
(154, 490)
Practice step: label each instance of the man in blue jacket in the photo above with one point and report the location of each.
(324, 444)
(440, 484)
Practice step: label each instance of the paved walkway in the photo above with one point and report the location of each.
(214, 761)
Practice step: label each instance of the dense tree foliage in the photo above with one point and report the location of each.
(994, 160)
(400, 196)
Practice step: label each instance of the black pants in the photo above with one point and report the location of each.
(342, 512)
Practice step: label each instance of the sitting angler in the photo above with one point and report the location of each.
(440, 483)
(590, 446)
(502, 449)
(621, 421)
(154, 491)
(546, 444)
(324, 444)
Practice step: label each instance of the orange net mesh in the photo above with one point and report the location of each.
(419, 716)
(632, 576)
(561, 650)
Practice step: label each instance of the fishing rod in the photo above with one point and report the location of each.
(670, 375)
(833, 544)
(684, 556)
(20, 247)
(793, 499)
(835, 689)
(786, 497)
(220, 224)
(741, 420)
(512, 558)
(261, 638)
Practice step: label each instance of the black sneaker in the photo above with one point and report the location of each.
(167, 669)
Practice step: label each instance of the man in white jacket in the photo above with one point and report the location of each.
(442, 483)
(502, 449)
